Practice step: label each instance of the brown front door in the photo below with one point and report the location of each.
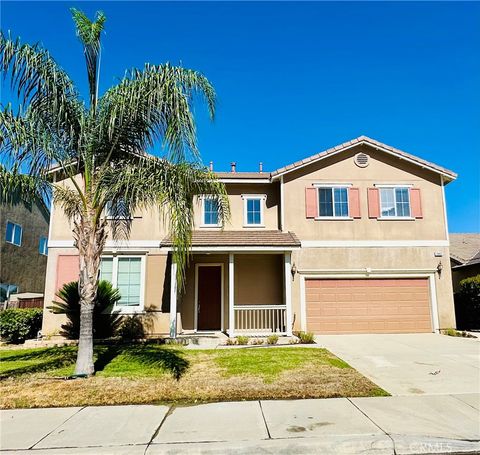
(209, 303)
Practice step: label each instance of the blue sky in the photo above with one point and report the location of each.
(296, 78)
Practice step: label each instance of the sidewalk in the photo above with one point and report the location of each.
(386, 425)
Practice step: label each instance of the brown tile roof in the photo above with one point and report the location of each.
(465, 248)
(368, 141)
(241, 238)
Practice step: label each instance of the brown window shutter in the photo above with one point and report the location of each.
(373, 203)
(416, 203)
(68, 269)
(311, 210)
(354, 202)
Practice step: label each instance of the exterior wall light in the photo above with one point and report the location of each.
(293, 270)
(439, 268)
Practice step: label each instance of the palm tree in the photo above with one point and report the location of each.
(97, 149)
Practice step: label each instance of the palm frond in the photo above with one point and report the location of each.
(69, 200)
(147, 182)
(16, 187)
(89, 34)
(27, 140)
(41, 84)
(153, 105)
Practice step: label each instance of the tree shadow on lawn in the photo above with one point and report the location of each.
(42, 360)
(165, 359)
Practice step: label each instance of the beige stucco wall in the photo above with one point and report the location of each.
(382, 169)
(235, 192)
(259, 279)
(156, 297)
(151, 224)
(396, 260)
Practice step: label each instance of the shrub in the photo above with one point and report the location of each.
(230, 342)
(132, 328)
(257, 341)
(456, 333)
(306, 337)
(467, 303)
(19, 324)
(105, 322)
(272, 339)
(242, 340)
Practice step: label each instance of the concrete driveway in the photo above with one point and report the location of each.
(412, 364)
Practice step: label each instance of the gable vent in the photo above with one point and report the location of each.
(362, 159)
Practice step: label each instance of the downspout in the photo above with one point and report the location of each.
(282, 212)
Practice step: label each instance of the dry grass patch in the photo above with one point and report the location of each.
(155, 374)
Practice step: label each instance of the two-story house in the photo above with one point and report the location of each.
(23, 248)
(351, 240)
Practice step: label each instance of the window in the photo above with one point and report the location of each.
(13, 233)
(253, 210)
(106, 269)
(333, 202)
(126, 274)
(395, 202)
(6, 290)
(210, 212)
(117, 210)
(42, 246)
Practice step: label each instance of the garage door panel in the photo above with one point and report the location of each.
(368, 305)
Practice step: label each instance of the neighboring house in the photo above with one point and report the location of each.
(351, 240)
(23, 248)
(464, 257)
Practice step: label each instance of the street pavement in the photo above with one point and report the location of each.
(381, 425)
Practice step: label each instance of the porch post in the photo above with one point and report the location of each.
(231, 291)
(288, 291)
(173, 300)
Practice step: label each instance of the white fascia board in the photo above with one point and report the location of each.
(240, 249)
(266, 180)
(109, 244)
(355, 273)
(371, 243)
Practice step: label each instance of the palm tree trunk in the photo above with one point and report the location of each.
(90, 239)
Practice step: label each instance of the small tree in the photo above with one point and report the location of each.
(105, 322)
(467, 303)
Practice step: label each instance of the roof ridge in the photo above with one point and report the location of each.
(370, 141)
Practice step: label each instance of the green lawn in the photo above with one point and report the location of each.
(158, 373)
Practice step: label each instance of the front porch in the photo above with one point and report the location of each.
(235, 292)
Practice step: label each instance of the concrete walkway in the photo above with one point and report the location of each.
(386, 425)
(411, 364)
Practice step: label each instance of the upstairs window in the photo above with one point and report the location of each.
(6, 290)
(333, 202)
(13, 233)
(253, 210)
(42, 246)
(210, 211)
(117, 210)
(395, 202)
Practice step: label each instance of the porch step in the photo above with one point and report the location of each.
(203, 341)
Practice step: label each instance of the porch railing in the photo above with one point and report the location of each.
(260, 319)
